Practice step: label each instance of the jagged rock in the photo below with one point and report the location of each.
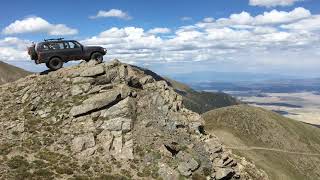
(117, 124)
(125, 108)
(87, 153)
(100, 88)
(96, 102)
(105, 138)
(82, 142)
(80, 89)
(125, 91)
(224, 173)
(91, 63)
(162, 85)
(126, 125)
(112, 63)
(85, 87)
(146, 80)
(117, 143)
(93, 71)
(127, 150)
(123, 72)
(213, 145)
(167, 173)
(76, 90)
(188, 164)
(24, 97)
(83, 124)
(79, 80)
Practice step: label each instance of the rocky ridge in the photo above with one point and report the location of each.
(107, 121)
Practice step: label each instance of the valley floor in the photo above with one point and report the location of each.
(303, 106)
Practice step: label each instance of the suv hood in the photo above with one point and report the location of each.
(93, 48)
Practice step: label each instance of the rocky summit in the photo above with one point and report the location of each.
(107, 121)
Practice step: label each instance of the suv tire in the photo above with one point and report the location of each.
(54, 64)
(97, 56)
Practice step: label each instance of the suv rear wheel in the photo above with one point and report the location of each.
(54, 64)
(97, 56)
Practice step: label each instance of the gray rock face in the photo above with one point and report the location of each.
(106, 120)
(93, 71)
(79, 80)
(224, 173)
(105, 138)
(125, 108)
(117, 124)
(82, 142)
(76, 90)
(96, 102)
(80, 89)
(146, 80)
(187, 164)
(167, 173)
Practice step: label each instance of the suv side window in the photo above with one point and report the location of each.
(44, 47)
(56, 45)
(73, 45)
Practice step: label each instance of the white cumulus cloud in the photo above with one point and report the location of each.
(115, 13)
(237, 40)
(159, 31)
(245, 19)
(13, 48)
(271, 3)
(310, 24)
(208, 19)
(38, 25)
(275, 16)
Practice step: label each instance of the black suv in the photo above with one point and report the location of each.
(55, 52)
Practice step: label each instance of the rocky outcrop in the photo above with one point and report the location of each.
(106, 120)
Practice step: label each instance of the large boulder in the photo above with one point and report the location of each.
(96, 102)
(93, 71)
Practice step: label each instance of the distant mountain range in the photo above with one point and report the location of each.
(9, 73)
(230, 77)
(271, 86)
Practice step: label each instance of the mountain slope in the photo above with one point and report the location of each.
(284, 148)
(9, 73)
(106, 121)
(202, 101)
(199, 102)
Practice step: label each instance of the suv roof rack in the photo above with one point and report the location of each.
(57, 39)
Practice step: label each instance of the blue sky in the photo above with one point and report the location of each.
(254, 36)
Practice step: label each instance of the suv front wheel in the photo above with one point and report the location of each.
(97, 56)
(54, 64)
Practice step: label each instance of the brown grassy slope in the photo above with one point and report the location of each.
(201, 102)
(9, 73)
(246, 126)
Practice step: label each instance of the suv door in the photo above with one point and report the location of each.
(58, 49)
(74, 50)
